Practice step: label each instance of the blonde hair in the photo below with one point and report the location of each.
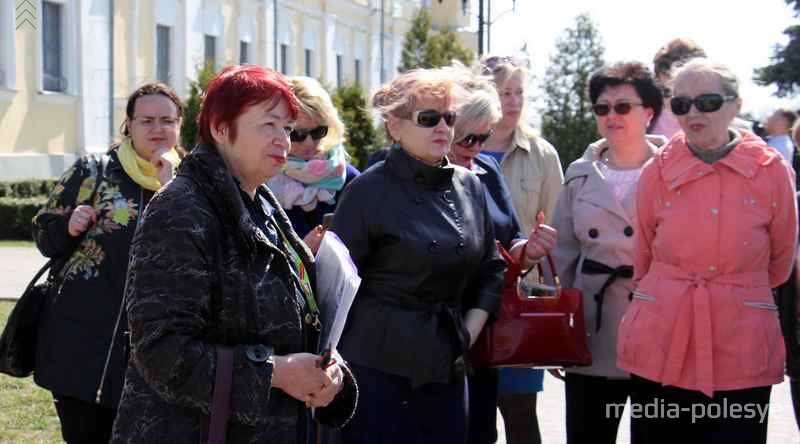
(400, 97)
(482, 105)
(316, 103)
(502, 73)
(701, 65)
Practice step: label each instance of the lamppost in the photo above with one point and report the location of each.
(491, 21)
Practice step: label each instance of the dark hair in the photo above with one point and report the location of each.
(635, 74)
(788, 114)
(235, 89)
(146, 90)
(675, 52)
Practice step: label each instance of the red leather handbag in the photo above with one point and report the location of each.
(543, 329)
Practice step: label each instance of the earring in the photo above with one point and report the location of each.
(396, 144)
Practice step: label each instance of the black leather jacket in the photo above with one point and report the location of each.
(423, 242)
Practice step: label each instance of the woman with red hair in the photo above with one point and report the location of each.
(215, 270)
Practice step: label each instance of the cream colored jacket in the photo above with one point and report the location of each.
(533, 174)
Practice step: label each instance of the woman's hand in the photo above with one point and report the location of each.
(80, 220)
(299, 376)
(165, 170)
(541, 242)
(474, 322)
(314, 238)
(327, 394)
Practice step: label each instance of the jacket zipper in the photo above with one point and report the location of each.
(119, 314)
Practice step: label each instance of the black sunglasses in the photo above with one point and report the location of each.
(603, 109)
(705, 103)
(428, 118)
(315, 133)
(471, 139)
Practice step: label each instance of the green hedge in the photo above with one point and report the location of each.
(16, 215)
(27, 188)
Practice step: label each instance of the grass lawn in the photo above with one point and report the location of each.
(27, 414)
(15, 243)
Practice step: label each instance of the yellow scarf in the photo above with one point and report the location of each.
(141, 170)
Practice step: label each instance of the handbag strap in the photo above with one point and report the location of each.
(516, 267)
(220, 407)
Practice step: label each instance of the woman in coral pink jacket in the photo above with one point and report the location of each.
(717, 226)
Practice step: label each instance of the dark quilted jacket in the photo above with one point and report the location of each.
(202, 274)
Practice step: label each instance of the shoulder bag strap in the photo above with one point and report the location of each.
(220, 407)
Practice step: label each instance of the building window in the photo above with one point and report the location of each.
(308, 60)
(358, 72)
(210, 51)
(284, 59)
(244, 52)
(339, 79)
(52, 50)
(163, 45)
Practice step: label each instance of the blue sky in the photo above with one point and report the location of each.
(738, 34)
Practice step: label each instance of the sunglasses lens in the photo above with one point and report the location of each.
(601, 109)
(483, 137)
(680, 105)
(319, 132)
(449, 118)
(622, 108)
(298, 136)
(428, 118)
(469, 141)
(708, 103)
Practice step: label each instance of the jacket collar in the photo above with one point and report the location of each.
(596, 190)
(520, 140)
(406, 167)
(205, 166)
(679, 166)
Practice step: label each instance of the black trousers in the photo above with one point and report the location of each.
(83, 422)
(794, 386)
(390, 411)
(594, 408)
(686, 416)
(483, 390)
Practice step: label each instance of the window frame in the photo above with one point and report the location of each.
(169, 53)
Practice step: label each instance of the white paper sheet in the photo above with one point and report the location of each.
(337, 284)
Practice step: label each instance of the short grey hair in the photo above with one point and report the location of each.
(480, 107)
(729, 80)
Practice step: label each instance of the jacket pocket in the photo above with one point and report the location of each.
(762, 345)
(641, 332)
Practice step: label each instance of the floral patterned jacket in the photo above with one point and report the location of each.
(74, 342)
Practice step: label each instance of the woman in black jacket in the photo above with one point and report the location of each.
(89, 221)
(216, 265)
(420, 233)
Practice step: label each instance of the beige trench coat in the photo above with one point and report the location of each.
(533, 174)
(592, 224)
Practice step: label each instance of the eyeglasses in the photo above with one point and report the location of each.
(622, 108)
(428, 118)
(471, 139)
(150, 122)
(316, 133)
(705, 103)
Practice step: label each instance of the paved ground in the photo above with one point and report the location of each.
(17, 266)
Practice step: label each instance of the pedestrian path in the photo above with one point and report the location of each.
(17, 267)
